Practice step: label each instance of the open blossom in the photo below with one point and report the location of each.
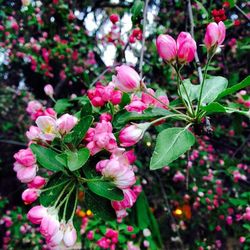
(127, 79)
(130, 135)
(186, 47)
(48, 127)
(122, 176)
(65, 123)
(215, 35)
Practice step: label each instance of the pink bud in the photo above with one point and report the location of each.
(48, 89)
(25, 157)
(106, 117)
(215, 35)
(127, 79)
(36, 214)
(132, 134)
(29, 195)
(65, 123)
(242, 239)
(114, 18)
(166, 47)
(38, 182)
(70, 235)
(186, 47)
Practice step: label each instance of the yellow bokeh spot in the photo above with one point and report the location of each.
(178, 211)
(89, 212)
(148, 143)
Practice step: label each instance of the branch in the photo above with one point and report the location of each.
(197, 60)
(242, 12)
(143, 35)
(13, 142)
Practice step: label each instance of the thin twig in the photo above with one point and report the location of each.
(102, 74)
(197, 60)
(13, 142)
(165, 198)
(145, 11)
(242, 12)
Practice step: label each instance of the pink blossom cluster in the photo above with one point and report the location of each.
(101, 95)
(36, 109)
(139, 104)
(54, 231)
(109, 240)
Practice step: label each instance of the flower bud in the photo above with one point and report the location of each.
(114, 18)
(48, 89)
(29, 195)
(166, 47)
(25, 157)
(215, 35)
(38, 182)
(127, 79)
(130, 135)
(186, 47)
(70, 235)
(65, 123)
(36, 214)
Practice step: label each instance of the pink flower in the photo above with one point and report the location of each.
(65, 123)
(48, 89)
(114, 18)
(49, 225)
(130, 135)
(30, 195)
(128, 201)
(106, 117)
(101, 137)
(166, 47)
(242, 239)
(127, 79)
(130, 156)
(48, 127)
(33, 133)
(25, 174)
(215, 35)
(70, 235)
(136, 106)
(178, 177)
(25, 157)
(186, 47)
(36, 214)
(121, 175)
(38, 182)
(54, 240)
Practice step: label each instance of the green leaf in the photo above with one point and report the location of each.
(212, 88)
(170, 144)
(55, 186)
(61, 105)
(192, 90)
(46, 157)
(86, 109)
(238, 202)
(76, 160)
(79, 131)
(125, 100)
(124, 117)
(216, 107)
(101, 207)
(232, 3)
(106, 189)
(243, 84)
(142, 211)
(137, 8)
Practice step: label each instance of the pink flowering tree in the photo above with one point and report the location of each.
(87, 150)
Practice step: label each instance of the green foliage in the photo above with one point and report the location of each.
(170, 144)
(46, 157)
